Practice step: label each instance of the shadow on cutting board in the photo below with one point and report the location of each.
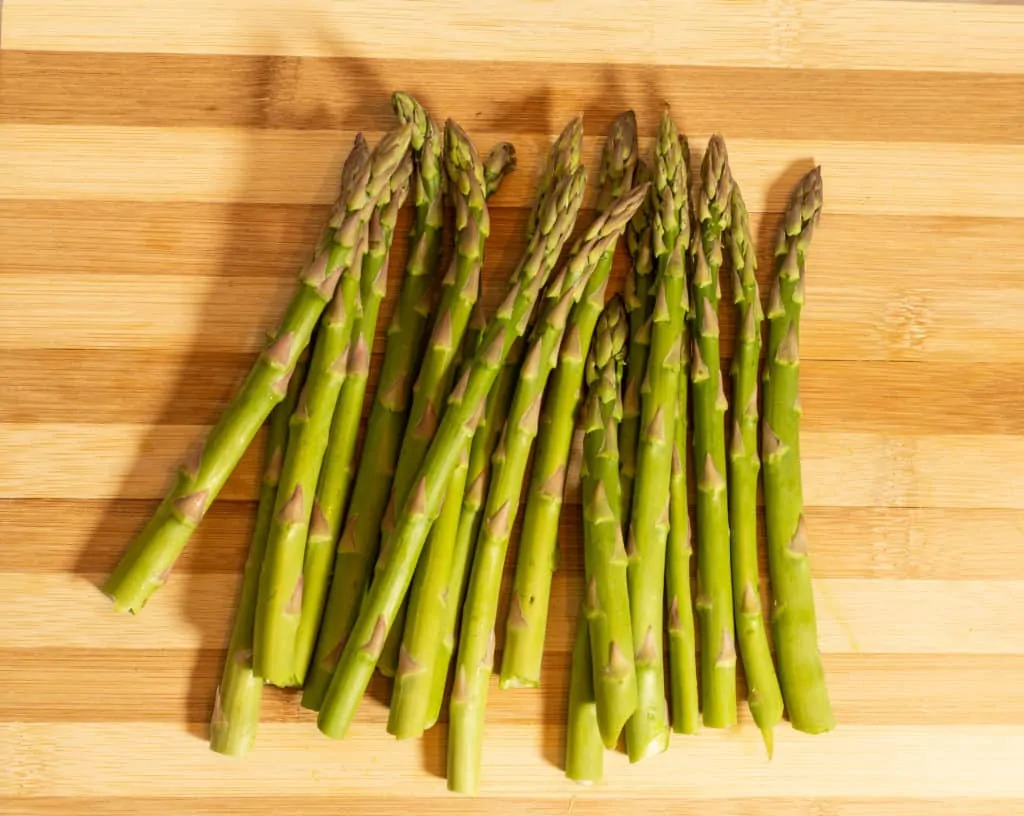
(252, 231)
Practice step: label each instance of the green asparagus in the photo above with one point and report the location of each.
(647, 731)
(466, 403)
(793, 618)
(236, 707)
(498, 164)
(145, 566)
(390, 408)
(526, 625)
(639, 296)
(682, 673)
(459, 293)
(283, 592)
(607, 593)
(340, 452)
(499, 400)
(584, 753)
(412, 692)
(763, 694)
(422, 619)
(714, 594)
(476, 642)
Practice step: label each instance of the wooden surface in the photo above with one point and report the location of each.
(164, 168)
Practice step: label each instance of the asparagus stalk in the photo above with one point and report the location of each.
(426, 615)
(388, 417)
(499, 400)
(145, 566)
(647, 731)
(607, 594)
(466, 403)
(763, 694)
(639, 297)
(413, 449)
(714, 596)
(476, 643)
(500, 162)
(584, 753)
(422, 619)
(236, 708)
(335, 477)
(459, 293)
(390, 409)
(793, 618)
(562, 161)
(526, 625)
(683, 694)
(283, 590)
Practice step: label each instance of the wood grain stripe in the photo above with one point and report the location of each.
(577, 800)
(67, 536)
(65, 88)
(302, 167)
(840, 469)
(914, 35)
(880, 317)
(90, 759)
(74, 686)
(855, 616)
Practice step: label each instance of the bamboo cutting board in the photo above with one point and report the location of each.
(164, 168)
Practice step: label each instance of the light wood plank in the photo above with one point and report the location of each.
(830, 34)
(73, 685)
(576, 800)
(883, 316)
(302, 167)
(840, 469)
(90, 760)
(854, 616)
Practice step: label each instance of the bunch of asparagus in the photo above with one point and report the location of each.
(394, 559)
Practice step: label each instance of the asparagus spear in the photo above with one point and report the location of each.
(459, 292)
(648, 729)
(411, 697)
(607, 594)
(145, 566)
(236, 708)
(422, 618)
(584, 753)
(387, 419)
(682, 655)
(499, 163)
(639, 296)
(526, 625)
(763, 694)
(714, 596)
(466, 403)
(335, 477)
(485, 440)
(426, 615)
(476, 643)
(562, 161)
(793, 619)
(340, 354)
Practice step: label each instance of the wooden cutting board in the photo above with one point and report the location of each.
(164, 168)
